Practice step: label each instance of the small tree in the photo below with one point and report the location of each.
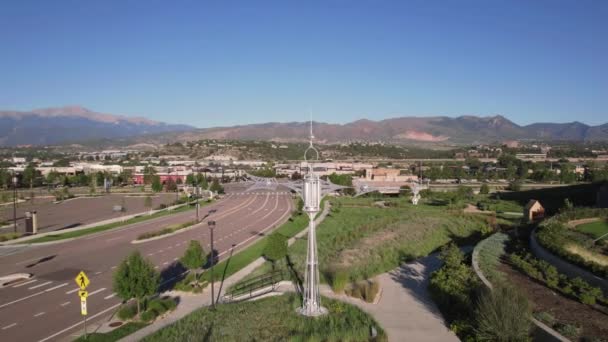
(276, 248)
(171, 185)
(216, 187)
(148, 202)
(194, 258)
(135, 278)
(485, 189)
(157, 186)
(503, 315)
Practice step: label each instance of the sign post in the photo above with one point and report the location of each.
(83, 281)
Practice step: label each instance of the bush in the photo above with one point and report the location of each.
(148, 315)
(127, 312)
(276, 247)
(568, 330)
(339, 279)
(503, 315)
(9, 236)
(157, 306)
(484, 190)
(545, 317)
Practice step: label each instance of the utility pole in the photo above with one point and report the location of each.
(197, 203)
(14, 203)
(211, 228)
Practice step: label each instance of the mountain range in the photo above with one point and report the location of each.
(74, 124)
(422, 130)
(51, 126)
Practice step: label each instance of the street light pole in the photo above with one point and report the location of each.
(211, 228)
(14, 203)
(197, 204)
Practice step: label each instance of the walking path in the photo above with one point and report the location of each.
(405, 310)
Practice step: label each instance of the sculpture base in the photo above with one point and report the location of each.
(312, 313)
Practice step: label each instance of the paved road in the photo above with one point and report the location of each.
(79, 211)
(47, 308)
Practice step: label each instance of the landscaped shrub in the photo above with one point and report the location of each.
(545, 317)
(157, 306)
(568, 330)
(148, 315)
(339, 279)
(167, 230)
(127, 312)
(546, 273)
(503, 314)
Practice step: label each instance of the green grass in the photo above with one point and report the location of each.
(595, 229)
(93, 230)
(363, 240)
(271, 319)
(114, 335)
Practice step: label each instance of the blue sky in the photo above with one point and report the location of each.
(210, 63)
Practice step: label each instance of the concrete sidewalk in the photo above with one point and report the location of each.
(405, 310)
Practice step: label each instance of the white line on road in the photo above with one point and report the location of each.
(150, 254)
(113, 267)
(56, 287)
(39, 314)
(9, 326)
(164, 263)
(39, 285)
(110, 296)
(174, 259)
(96, 273)
(72, 291)
(66, 303)
(79, 323)
(30, 296)
(116, 238)
(27, 282)
(96, 291)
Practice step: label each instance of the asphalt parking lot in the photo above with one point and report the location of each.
(79, 211)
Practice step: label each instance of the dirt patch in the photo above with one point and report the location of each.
(574, 223)
(587, 254)
(565, 310)
(350, 256)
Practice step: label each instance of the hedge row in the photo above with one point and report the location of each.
(546, 273)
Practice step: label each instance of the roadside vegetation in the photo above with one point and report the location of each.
(165, 231)
(574, 245)
(273, 319)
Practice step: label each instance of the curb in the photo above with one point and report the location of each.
(551, 335)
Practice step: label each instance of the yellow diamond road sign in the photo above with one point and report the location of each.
(82, 280)
(83, 294)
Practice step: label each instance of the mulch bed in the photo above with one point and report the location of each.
(594, 323)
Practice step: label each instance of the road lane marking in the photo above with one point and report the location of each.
(113, 267)
(150, 254)
(56, 287)
(96, 291)
(27, 282)
(110, 296)
(165, 263)
(39, 314)
(32, 295)
(79, 323)
(96, 273)
(72, 291)
(66, 303)
(9, 326)
(39, 285)
(116, 238)
(174, 259)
